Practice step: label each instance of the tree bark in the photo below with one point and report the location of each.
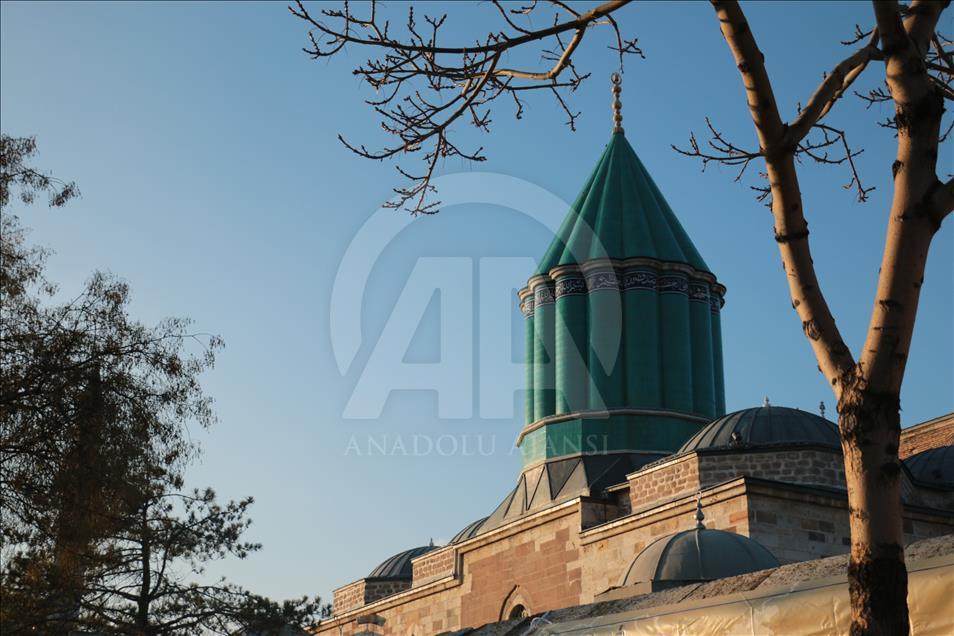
(145, 555)
(870, 428)
(78, 487)
(867, 391)
(869, 405)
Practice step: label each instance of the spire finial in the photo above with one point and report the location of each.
(699, 514)
(617, 105)
(766, 402)
(821, 408)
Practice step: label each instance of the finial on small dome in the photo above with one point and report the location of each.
(699, 514)
(766, 402)
(431, 543)
(821, 408)
(617, 105)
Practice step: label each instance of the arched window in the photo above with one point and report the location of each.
(518, 611)
(516, 605)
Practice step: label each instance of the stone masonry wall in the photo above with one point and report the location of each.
(366, 591)
(434, 565)
(422, 616)
(664, 481)
(931, 434)
(608, 550)
(537, 564)
(348, 597)
(540, 566)
(798, 526)
(798, 529)
(795, 466)
(693, 471)
(379, 588)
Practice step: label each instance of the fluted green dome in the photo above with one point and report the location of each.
(620, 214)
(624, 345)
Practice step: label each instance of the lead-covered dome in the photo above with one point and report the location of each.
(766, 426)
(469, 531)
(934, 466)
(695, 556)
(399, 565)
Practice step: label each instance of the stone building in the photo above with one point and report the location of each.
(634, 478)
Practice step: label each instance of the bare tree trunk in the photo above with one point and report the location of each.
(80, 499)
(877, 579)
(867, 391)
(869, 406)
(145, 555)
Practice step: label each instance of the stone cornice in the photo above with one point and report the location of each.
(601, 453)
(621, 276)
(941, 421)
(781, 447)
(620, 265)
(741, 486)
(605, 414)
(675, 507)
(390, 601)
(510, 528)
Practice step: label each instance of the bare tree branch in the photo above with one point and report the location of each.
(919, 107)
(721, 151)
(425, 87)
(811, 149)
(791, 229)
(867, 391)
(833, 87)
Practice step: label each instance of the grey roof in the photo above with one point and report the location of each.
(399, 566)
(698, 555)
(563, 479)
(469, 531)
(934, 466)
(765, 426)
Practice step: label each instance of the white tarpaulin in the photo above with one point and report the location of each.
(808, 608)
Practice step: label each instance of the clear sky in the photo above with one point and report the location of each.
(204, 143)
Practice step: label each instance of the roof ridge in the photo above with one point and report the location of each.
(620, 213)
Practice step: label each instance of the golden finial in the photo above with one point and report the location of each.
(617, 105)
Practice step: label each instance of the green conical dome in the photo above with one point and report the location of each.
(624, 345)
(620, 214)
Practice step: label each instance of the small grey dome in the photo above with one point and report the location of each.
(934, 466)
(697, 555)
(766, 426)
(469, 531)
(399, 566)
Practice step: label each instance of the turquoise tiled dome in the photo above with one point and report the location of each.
(623, 332)
(620, 214)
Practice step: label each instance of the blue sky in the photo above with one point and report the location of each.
(204, 143)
